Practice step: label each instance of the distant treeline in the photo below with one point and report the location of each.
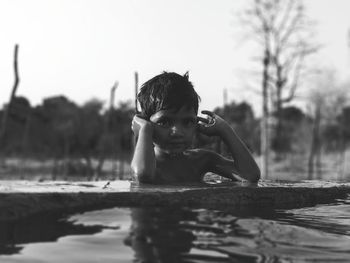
(60, 129)
(298, 129)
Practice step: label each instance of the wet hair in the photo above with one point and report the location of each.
(167, 91)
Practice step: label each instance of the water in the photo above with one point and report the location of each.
(174, 234)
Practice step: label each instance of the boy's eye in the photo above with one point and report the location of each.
(163, 122)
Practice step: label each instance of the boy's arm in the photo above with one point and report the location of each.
(244, 164)
(143, 162)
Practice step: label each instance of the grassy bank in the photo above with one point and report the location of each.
(292, 167)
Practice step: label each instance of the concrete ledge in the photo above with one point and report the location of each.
(20, 199)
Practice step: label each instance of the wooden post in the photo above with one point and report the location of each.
(315, 141)
(224, 95)
(13, 94)
(136, 90)
(115, 149)
(136, 109)
(264, 119)
(219, 144)
(112, 96)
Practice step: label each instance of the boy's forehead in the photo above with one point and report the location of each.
(185, 111)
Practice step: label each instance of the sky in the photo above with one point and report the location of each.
(80, 48)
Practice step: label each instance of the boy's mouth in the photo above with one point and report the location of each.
(177, 144)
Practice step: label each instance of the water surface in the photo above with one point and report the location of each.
(177, 234)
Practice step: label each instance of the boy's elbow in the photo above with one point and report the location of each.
(143, 175)
(144, 178)
(254, 176)
(251, 176)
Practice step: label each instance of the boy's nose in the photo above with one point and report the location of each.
(176, 130)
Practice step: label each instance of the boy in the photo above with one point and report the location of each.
(165, 130)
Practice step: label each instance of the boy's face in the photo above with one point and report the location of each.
(174, 130)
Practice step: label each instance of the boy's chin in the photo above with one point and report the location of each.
(173, 151)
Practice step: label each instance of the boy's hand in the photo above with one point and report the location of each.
(213, 125)
(139, 123)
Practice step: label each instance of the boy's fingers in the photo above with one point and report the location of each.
(211, 120)
(207, 123)
(203, 119)
(211, 114)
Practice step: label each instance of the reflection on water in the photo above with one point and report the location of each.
(332, 218)
(157, 236)
(38, 229)
(171, 234)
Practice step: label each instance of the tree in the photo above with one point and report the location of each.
(292, 119)
(89, 129)
(281, 31)
(62, 116)
(241, 117)
(326, 101)
(16, 126)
